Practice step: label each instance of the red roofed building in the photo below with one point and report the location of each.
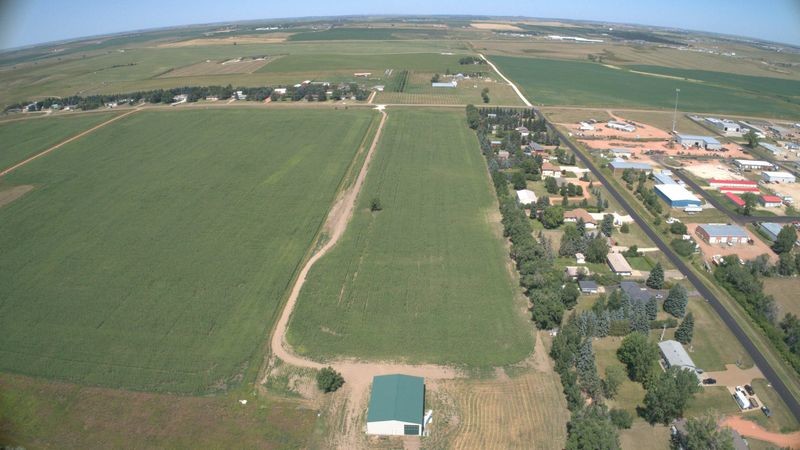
(739, 189)
(715, 183)
(549, 170)
(735, 199)
(771, 201)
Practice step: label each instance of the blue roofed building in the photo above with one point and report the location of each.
(396, 405)
(664, 178)
(677, 196)
(619, 164)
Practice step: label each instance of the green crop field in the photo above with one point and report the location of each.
(25, 138)
(372, 34)
(554, 82)
(430, 62)
(425, 279)
(155, 252)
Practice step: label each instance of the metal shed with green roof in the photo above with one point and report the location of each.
(396, 405)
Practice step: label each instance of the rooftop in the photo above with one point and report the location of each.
(741, 182)
(735, 198)
(694, 137)
(396, 397)
(771, 199)
(636, 291)
(752, 162)
(587, 284)
(721, 229)
(618, 263)
(778, 174)
(663, 178)
(620, 164)
(675, 354)
(579, 213)
(676, 192)
(772, 227)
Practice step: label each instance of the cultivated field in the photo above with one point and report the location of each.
(555, 82)
(218, 68)
(24, 138)
(157, 250)
(425, 279)
(418, 90)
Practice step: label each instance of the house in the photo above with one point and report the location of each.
(720, 233)
(735, 199)
(379, 87)
(396, 405)
(694, 141)
(675, 355)
(573, 272)
(523, 131)
(526, 197)
(771, 229)
(580, 258)
(580, 213)
(770, 201)
(503, 154)
(584, 126)
(733, 185)
(495, 143)
(619, 164)
(574, 169)
(749, 164)
(778, 177)
(279, 91)
(621, 152)
(677, 196)
(447, 84)
(536, 147)
(549, 170)
(725, 126)
(620, 126)
(637, 292)
(618, 264)
(618, 219)
(664, 178)
(588, 286)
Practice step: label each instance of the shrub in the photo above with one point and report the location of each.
(375, 204)
(625, 228)
(683, 248)
(329, 380)
(620, 418)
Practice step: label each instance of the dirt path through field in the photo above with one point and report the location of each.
(67, 141)
(751, 429)
(513, 86)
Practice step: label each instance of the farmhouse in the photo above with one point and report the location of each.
(621, 152)
(664, 178)
(523, 131)
(620, 126)
(396, 405)
(719, 233)
(675, 355)
(526, 197)
(637, 292)
(574, 272)
(503, 154)
(735, 199)
(536, 147)
(706, 142)
(622, 165)
(778, 177)
(618, 264)
(676, 195)
(771, 229)
(549, 170)
(580, 213)
(770, 201)
(749, 164)
(445, 84)
(588, 286)
(725, 126)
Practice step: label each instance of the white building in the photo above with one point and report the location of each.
(446, 84)
(584, 126)
(675, 355)
(526, 197)
(621, 152)
(620, 126)
(396, 406)
(725, 126)
(706, 142)
(749, 164)
(778, 177)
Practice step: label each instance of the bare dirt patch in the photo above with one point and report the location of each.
(495, 26)
(9, 195)
(272, 38)
(708, 171)
(744, 251)
(750, 429)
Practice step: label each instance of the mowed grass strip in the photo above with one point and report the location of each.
(157, 250)
(425, 279)
(24, 138)
(553, 82)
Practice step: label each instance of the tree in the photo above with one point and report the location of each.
(614, 378)
(569, 295)
(551, 185)
(656, 278)
(639, 356)
(676, 301)
(652, 308)
(620, 418)
(587, 369)
(435, 78)
(750, 201)
(473, 117)
(786, 239)
(552, 217)
(591, 428)
(668, 394)
(625, 228)
(607, 225)
(519, 181)
(684, 332)
(703, 433)
(547, 311)
(375, 204)
(786, 266)
(751, 138)
(678, 228)
(329, 380)
(597, 250)
(631, 252)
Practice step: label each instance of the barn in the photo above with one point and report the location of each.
(396, 405)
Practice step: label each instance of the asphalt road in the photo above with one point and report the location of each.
(736, 217)
(730, 322)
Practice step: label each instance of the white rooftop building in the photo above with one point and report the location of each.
(675, 355)
(526, 197)
(778, 177)
(620, 126)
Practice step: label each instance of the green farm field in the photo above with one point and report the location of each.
(155, 252)
(425, 279)
(555, 82)
(24, 138)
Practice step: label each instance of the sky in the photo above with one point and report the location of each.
(27, 22)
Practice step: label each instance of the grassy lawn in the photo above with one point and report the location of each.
(24, 138)
(554, 82)
(642, 434)
(157, 250)
(639, 263)
(713, 344)
(782, 420)
(785, 292)
(713, 400)
(425, 279)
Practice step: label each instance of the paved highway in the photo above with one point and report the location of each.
(730, 322)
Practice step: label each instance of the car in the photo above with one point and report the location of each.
(766, 411)
(749, 389)
(709, 381)
(753, 402)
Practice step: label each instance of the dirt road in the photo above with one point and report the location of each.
(751, 429)
(513, 86)
(67, 141)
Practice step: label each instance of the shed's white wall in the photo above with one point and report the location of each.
(388, 427)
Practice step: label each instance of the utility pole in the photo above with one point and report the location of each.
(675, 114)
